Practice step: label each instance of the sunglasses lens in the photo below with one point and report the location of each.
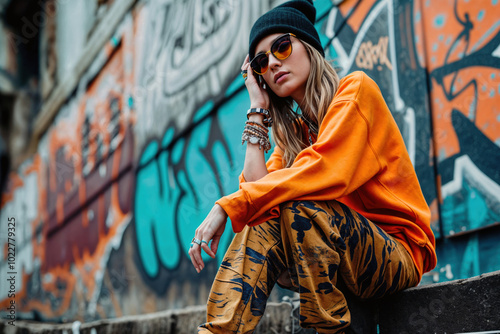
(282, 48)
(259, 63)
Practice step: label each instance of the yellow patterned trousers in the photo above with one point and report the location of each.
(318, 243)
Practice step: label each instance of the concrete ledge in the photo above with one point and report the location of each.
(184, 321)
(469, 305)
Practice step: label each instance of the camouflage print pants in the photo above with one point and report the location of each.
(316, 242)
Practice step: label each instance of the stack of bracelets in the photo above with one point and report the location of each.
(256, 133)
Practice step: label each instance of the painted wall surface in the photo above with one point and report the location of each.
(71, 202)
(106, 209)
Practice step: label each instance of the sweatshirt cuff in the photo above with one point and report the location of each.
(241, 211)
(272, 213)
(238, 208)
(242, 179)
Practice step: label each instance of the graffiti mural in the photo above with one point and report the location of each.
(437, 66)
(151, 138)
(464, 70)
(194, 49)
(72, 201)
(197, 156)
(464, 67)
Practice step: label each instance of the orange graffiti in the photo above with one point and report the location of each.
(449, 32)
(444, 33)
(82, 205)
(359, 15)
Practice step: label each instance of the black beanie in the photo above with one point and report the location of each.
(296, 16)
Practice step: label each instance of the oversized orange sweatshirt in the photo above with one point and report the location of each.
(359, 158)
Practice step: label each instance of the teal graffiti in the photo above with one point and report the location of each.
(480, 16)
(466, 210)
(418, 17)
(154, 200)
(439, 21)
(471, 262)
(477, 210)
(178, 183)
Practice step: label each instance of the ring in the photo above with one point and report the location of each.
(244, 74)
(204, 242)
(196, 241)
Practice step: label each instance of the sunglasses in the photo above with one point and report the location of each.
(281, 49)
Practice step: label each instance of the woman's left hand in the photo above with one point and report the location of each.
(210, 229)
(259, 98)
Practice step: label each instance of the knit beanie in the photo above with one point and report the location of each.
(296, 16)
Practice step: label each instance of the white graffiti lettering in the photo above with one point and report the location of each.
(370, 55)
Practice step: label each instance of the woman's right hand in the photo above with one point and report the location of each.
(258, 95)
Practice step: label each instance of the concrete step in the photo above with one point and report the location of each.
(183, 321)
(461, 306)
(467, 305)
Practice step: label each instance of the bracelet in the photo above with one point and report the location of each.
(258, 130)
(260, 126)
(256, 135)
(255, 132)
(263, 142)
(268, 121)
(260, 111)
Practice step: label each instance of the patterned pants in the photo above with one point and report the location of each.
(316, 242)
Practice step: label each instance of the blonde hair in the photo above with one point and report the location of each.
(321, 86)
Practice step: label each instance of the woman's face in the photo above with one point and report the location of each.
(287, 77)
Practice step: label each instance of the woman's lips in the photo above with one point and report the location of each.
(280, 77)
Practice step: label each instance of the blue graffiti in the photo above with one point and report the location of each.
(179, 180)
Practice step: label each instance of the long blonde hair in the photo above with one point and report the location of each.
(321, 86)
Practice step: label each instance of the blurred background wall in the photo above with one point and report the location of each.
(121, 123)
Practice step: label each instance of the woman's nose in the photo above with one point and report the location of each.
(273, 61)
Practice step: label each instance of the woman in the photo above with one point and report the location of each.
(338, 199)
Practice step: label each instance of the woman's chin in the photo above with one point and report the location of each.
(280, 92)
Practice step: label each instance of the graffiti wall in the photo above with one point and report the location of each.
(151, 138)
(192, 100)
(462, 59)
(71, 201)
(437, 64)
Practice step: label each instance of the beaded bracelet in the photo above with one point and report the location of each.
(255, 133)
(259, 125)
(268, 121)
(256, 129)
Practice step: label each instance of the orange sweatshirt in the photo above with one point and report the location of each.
(359, 158)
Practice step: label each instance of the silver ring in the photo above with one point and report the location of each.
(196, 241)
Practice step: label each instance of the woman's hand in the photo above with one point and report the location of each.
(210, 229)
(258, 96)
